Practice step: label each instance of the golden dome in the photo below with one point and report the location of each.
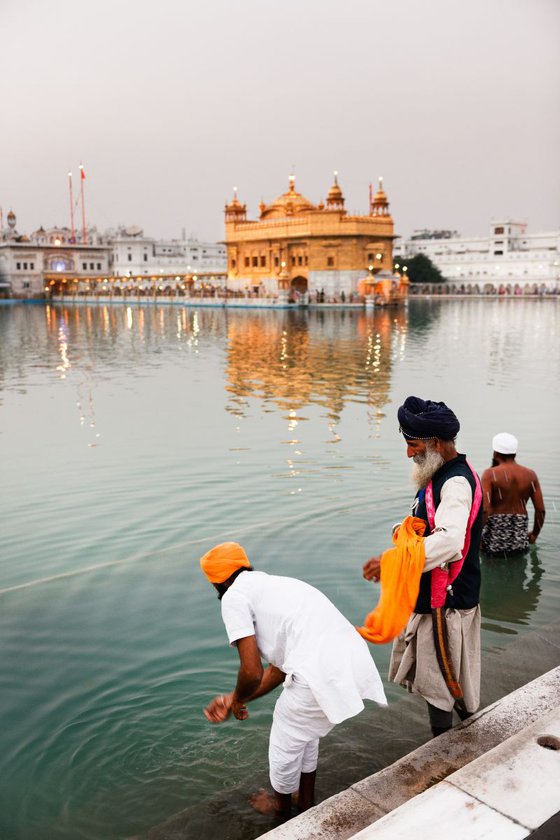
(234, 203)
(289, 203)
(335, 192)
(380, 204)
(380, 196)
(235, 210)
(335, 198)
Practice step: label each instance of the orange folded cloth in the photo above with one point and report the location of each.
(401, 568)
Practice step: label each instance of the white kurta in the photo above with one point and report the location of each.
(301, 632)
(414, 663)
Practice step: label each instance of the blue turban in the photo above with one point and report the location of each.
(426, 419)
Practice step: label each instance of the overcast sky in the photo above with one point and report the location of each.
(171, 103)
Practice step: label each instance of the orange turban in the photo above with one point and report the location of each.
(222, 561)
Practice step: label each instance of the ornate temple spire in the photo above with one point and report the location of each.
(235, 211)
(335, 198)
(380, 204)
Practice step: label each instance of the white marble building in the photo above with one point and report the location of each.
(508, 256)
(135, 255)
(32, 264)
(28, 263)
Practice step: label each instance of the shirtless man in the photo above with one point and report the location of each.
(506, 487)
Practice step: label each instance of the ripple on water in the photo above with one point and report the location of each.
(106, 666)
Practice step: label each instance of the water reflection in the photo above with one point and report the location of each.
(103, 736)
(317, 358)
(63, 350)
(510, 590)
(423, 315)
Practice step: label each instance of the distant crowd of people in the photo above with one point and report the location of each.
(486, 289)
(429, 607)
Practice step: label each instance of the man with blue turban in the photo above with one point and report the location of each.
(438, 654)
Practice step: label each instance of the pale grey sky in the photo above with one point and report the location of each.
(171, 103)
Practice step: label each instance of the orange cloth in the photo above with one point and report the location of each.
(401, 568)
(222, 561)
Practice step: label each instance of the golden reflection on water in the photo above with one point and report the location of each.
(82, 371)
(298, 361)
(64, 365)
(287, 360)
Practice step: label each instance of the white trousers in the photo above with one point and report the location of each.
(297, 724)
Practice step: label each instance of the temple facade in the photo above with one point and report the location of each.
(296, 246)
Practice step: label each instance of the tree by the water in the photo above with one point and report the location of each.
(420, 269)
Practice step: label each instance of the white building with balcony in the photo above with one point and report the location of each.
(509, 256)
(52, 259)
(29, 263)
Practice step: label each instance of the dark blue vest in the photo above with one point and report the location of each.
(466, 586)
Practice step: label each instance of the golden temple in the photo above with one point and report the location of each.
(297, 247)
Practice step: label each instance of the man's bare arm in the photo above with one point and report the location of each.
(271, 678)
(252, 681)
(249, 675)
(536, 497)
(486, 482)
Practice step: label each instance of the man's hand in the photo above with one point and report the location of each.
(372, 569)
(240, 711)
(220, 708)
(532, 538)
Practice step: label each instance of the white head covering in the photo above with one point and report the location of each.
(505, 444)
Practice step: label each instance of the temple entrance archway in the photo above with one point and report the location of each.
(299, 284)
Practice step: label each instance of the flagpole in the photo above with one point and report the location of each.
(71, 207)
(82, 179)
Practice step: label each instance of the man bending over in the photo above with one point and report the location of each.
(325, 668)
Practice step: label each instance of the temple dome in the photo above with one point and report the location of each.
(335, 193)
(335, 198)
(289, 203)
(380, 203)
(235, 211)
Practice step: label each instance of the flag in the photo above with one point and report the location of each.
(82, 173)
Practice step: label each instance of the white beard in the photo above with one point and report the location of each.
(425, 466)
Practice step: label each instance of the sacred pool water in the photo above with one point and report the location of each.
(134, 438)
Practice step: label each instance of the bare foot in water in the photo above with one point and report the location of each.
(264, 802)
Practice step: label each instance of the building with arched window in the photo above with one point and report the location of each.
(52, 261)
(296, 246)
(509, 258)
(31, 263)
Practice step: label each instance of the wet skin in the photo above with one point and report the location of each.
(507, 487)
